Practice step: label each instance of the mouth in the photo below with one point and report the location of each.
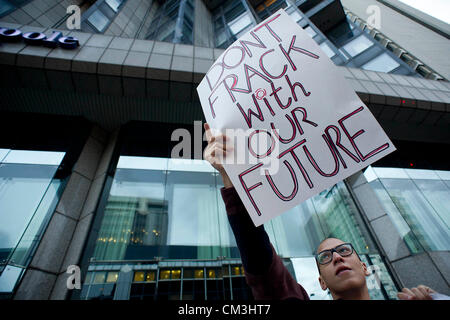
(342, 269)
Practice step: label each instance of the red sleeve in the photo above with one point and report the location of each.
(273, 280)
(276, 284)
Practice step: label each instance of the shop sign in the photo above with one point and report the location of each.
(38, 38)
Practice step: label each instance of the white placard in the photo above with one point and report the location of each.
(305, 128)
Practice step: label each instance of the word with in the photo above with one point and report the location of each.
(39, 38)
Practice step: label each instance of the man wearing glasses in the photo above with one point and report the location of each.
(340, 268)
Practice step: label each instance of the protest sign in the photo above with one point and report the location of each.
(305, 128)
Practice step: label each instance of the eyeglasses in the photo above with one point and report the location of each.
(325, 256)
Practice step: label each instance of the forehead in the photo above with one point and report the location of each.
(329, 244)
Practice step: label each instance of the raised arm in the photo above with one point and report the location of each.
(264, 271)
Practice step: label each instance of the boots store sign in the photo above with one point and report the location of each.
(39, 38)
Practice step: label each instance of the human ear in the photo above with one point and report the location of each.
(366, 271)
(323, 285)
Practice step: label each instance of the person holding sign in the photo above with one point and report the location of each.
(340, 268)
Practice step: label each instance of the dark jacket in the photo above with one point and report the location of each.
(264, 271)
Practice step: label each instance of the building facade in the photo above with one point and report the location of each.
(88, 177)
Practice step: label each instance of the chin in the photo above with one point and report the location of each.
(350, 283)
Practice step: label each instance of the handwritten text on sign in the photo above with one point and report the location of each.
(276, 82)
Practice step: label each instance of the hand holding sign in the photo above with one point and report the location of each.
(216, 150)
(303, 126)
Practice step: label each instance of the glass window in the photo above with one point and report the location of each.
(394, 214)
(240, 23)
(98, 20)
(307, 274)
(310, 31)
(139, 276)
(188, 273)
(164, 207)
(6, 7)
(9, 277)
(88, 278)
(211, 273)
(357, 45)
(232, 20)
(418, 203)
(164, 274)
(383, 63)
(112, 277)
(150, 276)
(114, 4)
(332, 213)
(28, 192)
(173, 22)
(176, 274)
(236, 270)
(99, 277)
(198, 273)
(328, 51)
(296, 16)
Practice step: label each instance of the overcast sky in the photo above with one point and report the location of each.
(439, 9)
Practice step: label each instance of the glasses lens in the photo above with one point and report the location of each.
(324, 257)
(344, 250)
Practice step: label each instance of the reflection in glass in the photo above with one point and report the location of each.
(173, 22)
(172, 208)
(296, 16)
(98, 20)
(231, 20)
(99, 277)
(240, 23)
(114, 4)
(328, 51)
(383, 63)
(269, 7)
(357, 45)
(307, 274)
(9, 277)
(6, 6)
(418, 207)
(139, 276)
(310, 31)
(332, 213)
(112, 277)
(28, 193)
(168, 212)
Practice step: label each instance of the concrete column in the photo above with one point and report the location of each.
(64, 238)
(203, 26)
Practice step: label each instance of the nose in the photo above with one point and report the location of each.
(337, 258)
